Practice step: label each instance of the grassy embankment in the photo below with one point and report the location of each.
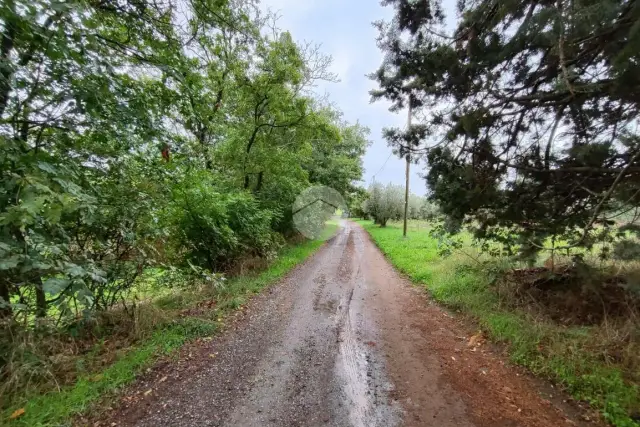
(575, 356)
(169, 330)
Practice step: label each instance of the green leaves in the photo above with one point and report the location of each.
(46, 167)
(8, 263)
(55, 285)
(525, 123)
(129, 141)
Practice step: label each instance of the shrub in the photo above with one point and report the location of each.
(213, 228)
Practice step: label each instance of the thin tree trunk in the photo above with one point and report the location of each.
(5, 296)
(41, 299)
(259, 185)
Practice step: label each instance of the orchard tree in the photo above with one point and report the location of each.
(415, 203)
(385, 202)
(429, 210)
(528, 113)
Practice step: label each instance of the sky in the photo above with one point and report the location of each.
(345, 31)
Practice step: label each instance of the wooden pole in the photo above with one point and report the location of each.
(406, 189)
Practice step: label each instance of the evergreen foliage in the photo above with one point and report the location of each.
(530, 113)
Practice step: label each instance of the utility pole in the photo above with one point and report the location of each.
(406, 189)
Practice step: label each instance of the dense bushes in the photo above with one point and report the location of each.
(130, 145)
(194, 155)
(213, 229)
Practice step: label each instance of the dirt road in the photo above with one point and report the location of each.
(344, 340)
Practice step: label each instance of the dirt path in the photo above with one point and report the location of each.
(342, 341)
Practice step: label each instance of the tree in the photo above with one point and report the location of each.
(385, 202)
(130, 126)
(337, 156)
(530, 113)
(357, 202)
(69, 119)
(428, 209)
(415, 204)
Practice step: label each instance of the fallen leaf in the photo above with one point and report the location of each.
(475, 340)
(17, 414)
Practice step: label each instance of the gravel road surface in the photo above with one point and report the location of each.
(343, 340)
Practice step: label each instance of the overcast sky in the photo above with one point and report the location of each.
(344, 29)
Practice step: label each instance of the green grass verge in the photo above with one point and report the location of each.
(556, 352)
(58, 408)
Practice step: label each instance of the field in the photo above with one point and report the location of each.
(596, 361)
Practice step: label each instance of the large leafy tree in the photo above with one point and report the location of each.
(74, 105)
(338, 148)
(529, 112)
(138, 133)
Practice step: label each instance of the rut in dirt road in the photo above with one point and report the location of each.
(342, 341)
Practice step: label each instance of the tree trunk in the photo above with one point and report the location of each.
(5, 296)
(41, 299)
(259, 184)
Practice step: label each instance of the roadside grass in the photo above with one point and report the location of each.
(572, 356)
(173, 319)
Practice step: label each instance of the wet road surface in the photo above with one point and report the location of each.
(344, 340)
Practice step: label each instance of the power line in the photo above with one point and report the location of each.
(383, 165)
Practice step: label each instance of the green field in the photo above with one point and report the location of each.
(463, 281)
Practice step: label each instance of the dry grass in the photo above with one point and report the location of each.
(49, 358)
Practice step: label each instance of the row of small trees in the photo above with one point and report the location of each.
(387, 202)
